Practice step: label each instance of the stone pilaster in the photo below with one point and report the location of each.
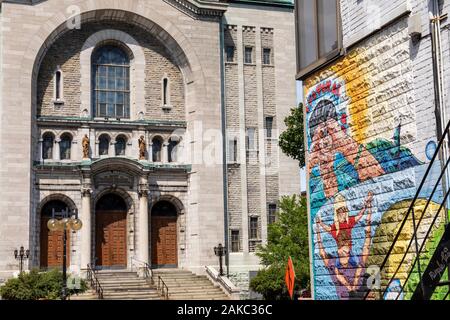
(86, 242)
(143, 225)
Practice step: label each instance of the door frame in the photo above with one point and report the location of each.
(129, 210)
(179, 210)
(160, 266)
(38, 227)
(41, 241)
(125, 245)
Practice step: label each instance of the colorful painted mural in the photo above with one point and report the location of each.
(361, 182)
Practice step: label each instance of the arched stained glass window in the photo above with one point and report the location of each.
(111, 82)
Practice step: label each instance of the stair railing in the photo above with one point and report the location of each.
(95, 284)
(163, 289)
(148, 273)
(416, 224)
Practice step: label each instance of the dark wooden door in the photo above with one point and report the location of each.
(164, 241)
(111, 238)
(52, 246)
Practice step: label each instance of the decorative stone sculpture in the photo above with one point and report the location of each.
(142, 148)
(85, 144)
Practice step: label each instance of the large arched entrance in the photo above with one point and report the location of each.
(51, 242)
(164, 235)
(111, 232)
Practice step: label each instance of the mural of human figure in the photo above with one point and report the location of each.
(341, 229)
(328, 139)
(346, 269)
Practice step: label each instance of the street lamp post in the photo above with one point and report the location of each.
(220, 251)
(21, 254)
(64, 221)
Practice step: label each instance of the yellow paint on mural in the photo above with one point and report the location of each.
(351, 71)
(386, 232)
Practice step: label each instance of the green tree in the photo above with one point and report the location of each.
(291, 140)
(288, 236)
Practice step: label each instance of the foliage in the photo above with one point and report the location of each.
(288, 236)
(292, 140)
(37, 285)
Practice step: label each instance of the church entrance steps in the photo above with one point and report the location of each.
(126, 285)
(185, 285)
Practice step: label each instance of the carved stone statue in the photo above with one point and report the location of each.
(142, 148)
(85, 144)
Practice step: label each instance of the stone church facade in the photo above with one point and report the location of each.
(155, 121)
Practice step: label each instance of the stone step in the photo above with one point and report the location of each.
(122, 281)
(195, 286)
(116, 278)
(198, 297)
(130, 293)
(182, 280)
(116, 273)
(125, 285)
(174, 271)
(131, 290)
(184, 284)
(190, 291)
(180, 275)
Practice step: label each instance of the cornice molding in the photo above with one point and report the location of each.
(200, 9)
(197, 9)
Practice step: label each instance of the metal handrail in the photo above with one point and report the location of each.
(411, 210)
(148, 273)
(92, 277)
(163, 288)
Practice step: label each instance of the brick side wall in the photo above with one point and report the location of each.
(369, 118)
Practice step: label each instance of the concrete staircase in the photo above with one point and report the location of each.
(184, 285)
(122, 285)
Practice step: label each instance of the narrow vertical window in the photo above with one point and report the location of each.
(230, 53)
(267, 56)
(47, 146)
(248, 56)
(232, 150)
(156, 150)
(235, 241)
(165, 91)
(253, 228)
(272, 213)
(65, 146)
(269, 125)
(58, 85)
(251, 139)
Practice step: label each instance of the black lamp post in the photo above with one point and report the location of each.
(220, 251)
(21, 254)
(64, 221)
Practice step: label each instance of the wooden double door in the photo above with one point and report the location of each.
(52, 244)
(164, 242)
(111, 239)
